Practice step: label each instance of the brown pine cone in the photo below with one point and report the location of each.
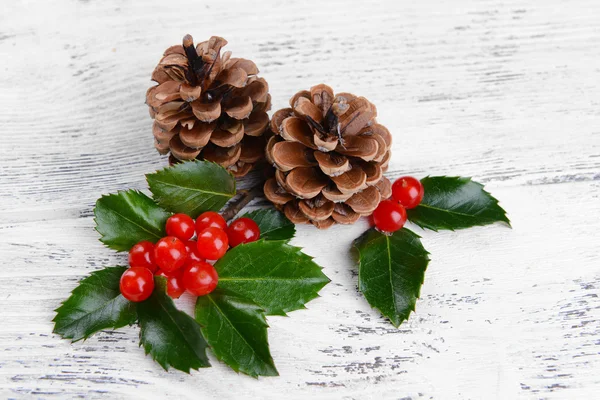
(329, 155)
(208, 106)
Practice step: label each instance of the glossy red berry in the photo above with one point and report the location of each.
(210, 219)
(408, 191)
(389, 216)
(142, 255)
(242, 230)
(181, 226)
(200, 278)
(212, 243)
(192, 252)
(170, 253)
(137, 284)
(174, 283)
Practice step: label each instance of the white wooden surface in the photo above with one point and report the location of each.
(505, 91)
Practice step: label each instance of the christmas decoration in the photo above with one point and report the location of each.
(392, 265)
(208, 105)
(262, 275)
(329, 155)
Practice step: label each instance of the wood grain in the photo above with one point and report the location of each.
(506, 92)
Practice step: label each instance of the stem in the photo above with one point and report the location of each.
(246, 196)
(192, 55)
(188, 46)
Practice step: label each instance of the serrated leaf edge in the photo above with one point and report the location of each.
(298, 250)
(157, 173)
(482, 186)
(418, 294)
(270, 209)
(57, 310)
(117, 193)
(265, 324)
(148, 347)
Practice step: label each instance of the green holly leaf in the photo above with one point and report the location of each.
(169, 335)
(125, 218)
(236, 331)
(276, 276)
(273, 224)
(455, 203)
(192, 187)
(94, 305)
(391, 271)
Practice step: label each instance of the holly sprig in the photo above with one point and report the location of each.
(266, 277)
(391, 267)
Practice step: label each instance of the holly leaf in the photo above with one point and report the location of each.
(125, 218)
(236, 330)
(169, 335)
(391, 270)
(94, 305)
(455, 203)
(273, 225)
(192, 187)
(276, 276)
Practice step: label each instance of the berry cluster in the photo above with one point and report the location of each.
(182, 260)
(390, 215)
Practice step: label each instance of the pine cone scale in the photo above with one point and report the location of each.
(198, 136)
(351, 182)
(256, 123)
(290, 155)
(305, 183)
(206, 112)
(181, 151)
(332, 164)
(365, 202)
(296, 129)
(239, 108)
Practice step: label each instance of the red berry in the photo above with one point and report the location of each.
(212, 243)
(408, 191)
(174, 283)
(200, 278)
(192, 250)
(137, 284)
(242, 230)
(142, 255)
(389, 216)
(210, 219)
(170, 253)
(181, 226)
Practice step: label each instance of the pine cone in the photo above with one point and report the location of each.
(209, 106)
(329, 155)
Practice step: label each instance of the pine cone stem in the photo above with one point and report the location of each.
(192, 55)
(188, 45)
(246, 196)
